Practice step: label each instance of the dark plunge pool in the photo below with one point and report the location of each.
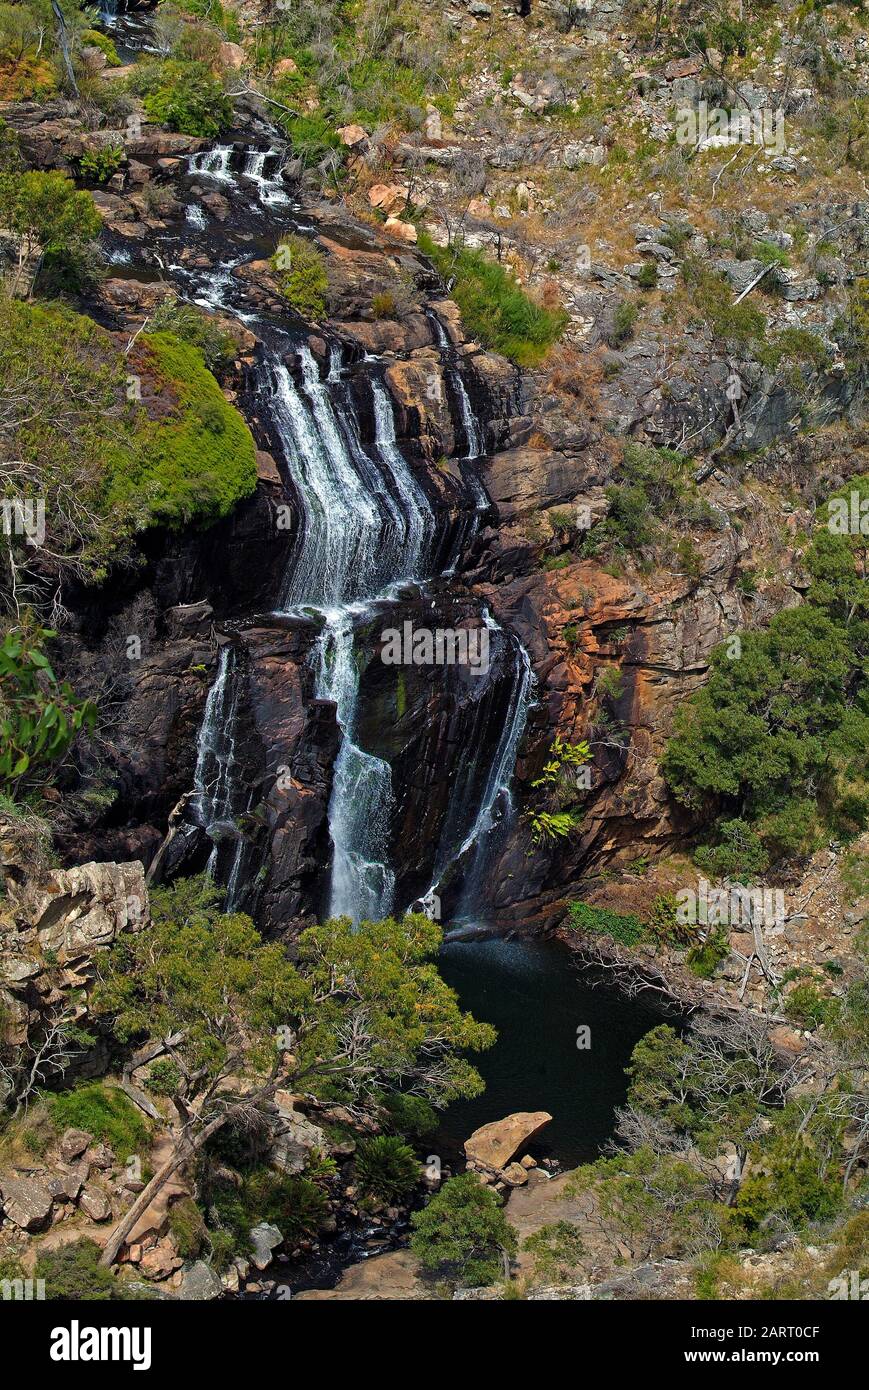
(537, 999)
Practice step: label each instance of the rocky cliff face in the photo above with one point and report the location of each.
(545, 452)
(54, 923)
(614, 650)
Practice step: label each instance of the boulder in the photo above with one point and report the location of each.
(577, 155)
(73, 1144)
(785, 1039)
(493, 1145)
(231, 55)
(264, 1238)
(515, 1175)
(199, 1283)
(404, 231)
(285, 67)
(160, 1261)
(95, 1204)
(681, 67)
(65, 1186)
(26, 1202)
(389, 197)
(352, 135)
(297, 1139)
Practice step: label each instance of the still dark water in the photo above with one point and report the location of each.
(537, 998)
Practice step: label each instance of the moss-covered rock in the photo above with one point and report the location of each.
(197, 458)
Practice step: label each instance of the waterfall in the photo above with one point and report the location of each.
(270, 188)
(420, 526)
(214, 162)
(366, 528)
(473, 433)
(362, 882)
(490, 805)
(367, 525)
(496, 804)
(215, 799)
(367, 522)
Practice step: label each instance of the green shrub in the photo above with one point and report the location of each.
(215, 13)
(386, 1167)
(197, 462)
(312, 137)
(624, 319)
(302, 276)
(648, 276)
(410, 1114)
(738, 853)
(106, 1113)
(463, 1233)
(53, 221)
(655, 485)
(776, 738)
(95, 39)
(74, 1272)
(187, 1228)
(186, 97)
(743, 325)
(807, 1006)
(494, 308)
(296, 1205)
(789, 1189)
(548, 826)
(193, 325)
(663, 924)
(101, 162)
(705, 958)
(164, 1077)
(625, 928)
(796, 345)
(852, 1246)
(557, 1250)
(383, 305)
(39, 715)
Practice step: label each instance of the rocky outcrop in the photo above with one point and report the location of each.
(493, 1145)
(53, 925)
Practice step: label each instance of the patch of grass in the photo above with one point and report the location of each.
(106, 1113)
(740, 324)
(74, 1272)
(496, 310)
(705, 958)
(198, 461)
(187, 1228)
(193, 325)
(302, 276)
(624, 927)
(808, 1007)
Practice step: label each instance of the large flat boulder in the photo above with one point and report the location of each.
(493, 1145)
(26, 1202)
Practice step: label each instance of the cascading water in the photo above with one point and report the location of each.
(478, 807)
(366, 528)
(214, 162)
(362, 883)
(272, 194)
(338, 550)
(215, 793)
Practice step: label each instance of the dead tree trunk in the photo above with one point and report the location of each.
(184, 1150)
